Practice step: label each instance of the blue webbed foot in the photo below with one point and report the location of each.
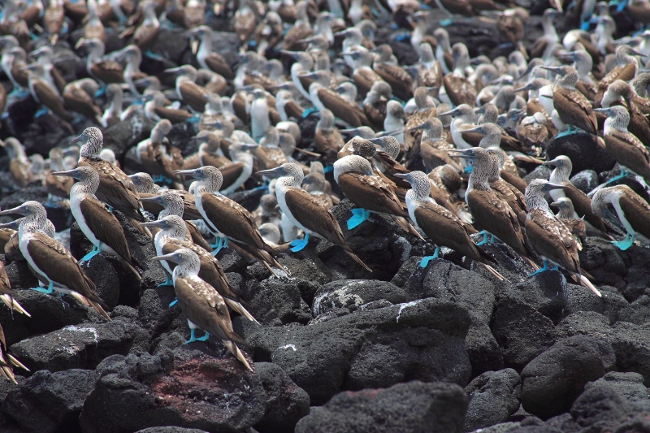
(358, 216)
(445, 23)
(403, 37)
(424, 7)
(485, 238)
(168, 282)
(622, 175)
(299, 244)
(308, 111)
(194, 119)
(174, 302)
(48, 291)
(100, 91)
(327, 168)
(109, 207)
(468, 169)
(204, 338)
(584, 25)
(425, 260)
(154, 56)
(192, 337)
(91, 254)
(540, 270)
(40, 112)
(219, 244)
(624, 244)
(570, 130)
(17, 93)
(263, 187)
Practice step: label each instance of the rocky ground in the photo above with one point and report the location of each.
(403, 349)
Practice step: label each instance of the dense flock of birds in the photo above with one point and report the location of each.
(438, 146)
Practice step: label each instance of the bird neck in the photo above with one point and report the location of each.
(187, 269)
(86, 186)
(174, 232)
(534, 200)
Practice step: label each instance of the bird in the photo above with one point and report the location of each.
(304, 211)
(202, 304)
(207, 58)
(95, 221)
(567, 215)
(115, 187)
(631, 209)
(226, 218)
(50, 261)
(549, 236)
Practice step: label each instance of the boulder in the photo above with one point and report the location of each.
(405, 407)
(493, 397)
(421, 340)
(49, 402)
(628, 385)
(585, 180)
(122, 136)
(76, 346)
(553, 380)
(601, 406)
(545, 292)
(351, 294)
(584, 151)
(191, 386)
(286, 403)
(521, 331)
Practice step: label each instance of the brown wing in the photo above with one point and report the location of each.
(553, 240)
(458, 7)
(145, 36)
(371, 193)
(105, 226)
(232, 219)
(314, 216)
(574, 109)
(339, 107)
(495, 216)
(53, 19)
(49, 98)
(231, 173)
(193, 95)
(171, 114)
(293, 109)
(515, 201)
(108, 71)
(628, 154)
(170, 158)
(511, 28)
(78, 100)
(196, 236)
(400, 80)
(58, 186)
(293, 35)
(204, 307)
(582, 206)
(115, 188)
(637, 211)
(218, 64)
(52, 259)
(459, 90)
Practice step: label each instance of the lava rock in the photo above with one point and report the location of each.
(285, 298)
(170, 429)
(521, 331)
(545, 292)
(405, 407)
(584, 151)
(540, 172)
(49, 402)
(631, 343)
(192, 386)
(553, 380)
(627, 385)
(580, 299)
(123, 135)
(585, 181)
(286, 403)
(19, 327)
(606, 263)
(601, 406)
(375, 348)
(638, 312)
(493, 397)
(351, 294)
(76, 346)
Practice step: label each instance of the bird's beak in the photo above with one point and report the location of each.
(606, 111)
(174, 70)
(272, 173)
(418, 127)
(11, 224)
(169, 257)
(292, 54)
(152, 199)
(161, 224)
(552, 163)
(557, 204)
(478, 129)
(404, 176)
(193, 173)
(20, 210)
(78, 139)
(80, 43)
(551, 68)
(249, 146)
(551, 186)
(453, 112)
(75, 174)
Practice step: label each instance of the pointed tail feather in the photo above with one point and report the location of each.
(232, 347)
(586, 283)
(13, 304)
(350, 253)
(239, 308)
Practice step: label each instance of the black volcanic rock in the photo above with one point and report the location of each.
(553, 380)
(583, 150)
(49, 402)
(402, 408)
(375, 348)
(76, 346)
(493, 397)
(191, 386)
(351, 294)
(121, 136)
(286, 403)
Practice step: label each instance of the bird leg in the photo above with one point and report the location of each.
(623, 174)
(193, 337)
(100, 91)
(96, 249)
(485, 240)
(358, 216)
(48, 291)
(542, 269)
(168, 282)
(174, 302)
(151, 55)
(308, 111)
(17, 93)
(626, 243)
(569, 130)
(299, 244)
(445, 23)
(425, 260)
(219, 244)
(40, 112)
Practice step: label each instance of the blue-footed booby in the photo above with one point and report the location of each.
(203, 306)
(172, 237)
(115, 187)
(6, 294)
(549, 236)
(97, 223)
(567, 215)
(631, 209)
(304, 211)
(226, 218)
(207, 58)
(50, 261)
